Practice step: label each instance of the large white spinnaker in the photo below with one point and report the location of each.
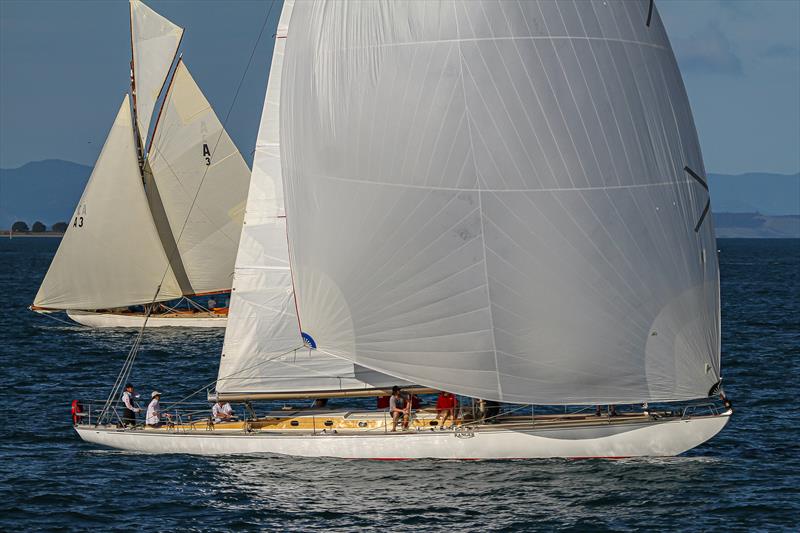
(154, 44)
(263, 350)
(490, 198)
(110, 255)
(202, 182)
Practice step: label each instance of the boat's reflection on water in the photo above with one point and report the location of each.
(510, 494)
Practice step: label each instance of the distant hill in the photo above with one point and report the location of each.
(745, 205)
(756, 225)
(45, 190)
(755, 192)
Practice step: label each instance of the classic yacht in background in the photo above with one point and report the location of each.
(503, 200)
(156, 229)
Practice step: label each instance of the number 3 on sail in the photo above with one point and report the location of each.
(79, 214)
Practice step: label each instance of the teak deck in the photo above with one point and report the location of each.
(317, 421)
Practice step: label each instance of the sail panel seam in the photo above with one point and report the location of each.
(515, 190)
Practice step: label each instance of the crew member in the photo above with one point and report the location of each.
(445, 407)
(154, 413)
(222, 412)
(399, 408)
(129, 401)
(612, 410)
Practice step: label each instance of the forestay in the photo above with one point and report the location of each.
(154, 43)
(110, 255)
(202, 182)
(490, 198)
(263, 350)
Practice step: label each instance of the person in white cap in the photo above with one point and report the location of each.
(154, 413)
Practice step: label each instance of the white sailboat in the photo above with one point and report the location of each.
(501, 200)
(154, 225)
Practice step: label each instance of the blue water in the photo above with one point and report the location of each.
(748, 477)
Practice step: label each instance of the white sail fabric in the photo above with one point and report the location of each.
(490, 198)
(260, 353)
(154, 42)
(298, 372)
(110, 255)
(200, 174)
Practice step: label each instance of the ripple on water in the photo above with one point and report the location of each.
(746, 478)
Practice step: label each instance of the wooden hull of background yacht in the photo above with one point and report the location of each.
(654, 438)
(110, 320)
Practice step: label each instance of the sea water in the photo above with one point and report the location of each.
(748, 477)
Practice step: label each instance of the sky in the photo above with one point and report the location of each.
(64, 71)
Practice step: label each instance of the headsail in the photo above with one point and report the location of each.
(110, 255)
(200, 174)
(490, 198)
(154, 43)
(263, 350)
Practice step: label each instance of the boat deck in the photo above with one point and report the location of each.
(175, 313)
(366, 422)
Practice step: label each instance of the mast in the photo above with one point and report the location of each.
(136, 132)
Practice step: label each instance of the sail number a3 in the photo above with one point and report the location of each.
(79, 214)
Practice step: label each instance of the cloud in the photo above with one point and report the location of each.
(741, 9)
(708, 51)
(781, 51)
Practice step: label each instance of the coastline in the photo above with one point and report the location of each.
(15, 235)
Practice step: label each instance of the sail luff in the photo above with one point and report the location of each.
(489, 198)
(168, 83)
(137, 134)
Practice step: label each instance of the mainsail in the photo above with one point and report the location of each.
(202, 183)
(110, 255)
(184, 224)
(154, 43)
(263, 349)
(491, 198)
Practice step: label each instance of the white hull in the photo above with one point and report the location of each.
(667, 438)
(109, 320)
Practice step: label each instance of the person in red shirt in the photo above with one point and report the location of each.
(445, 407)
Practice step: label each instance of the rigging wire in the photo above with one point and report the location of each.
(127, 366)
(214, 382)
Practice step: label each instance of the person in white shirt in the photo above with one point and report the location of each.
(129, 401)
(154, 413)
(222, 412)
